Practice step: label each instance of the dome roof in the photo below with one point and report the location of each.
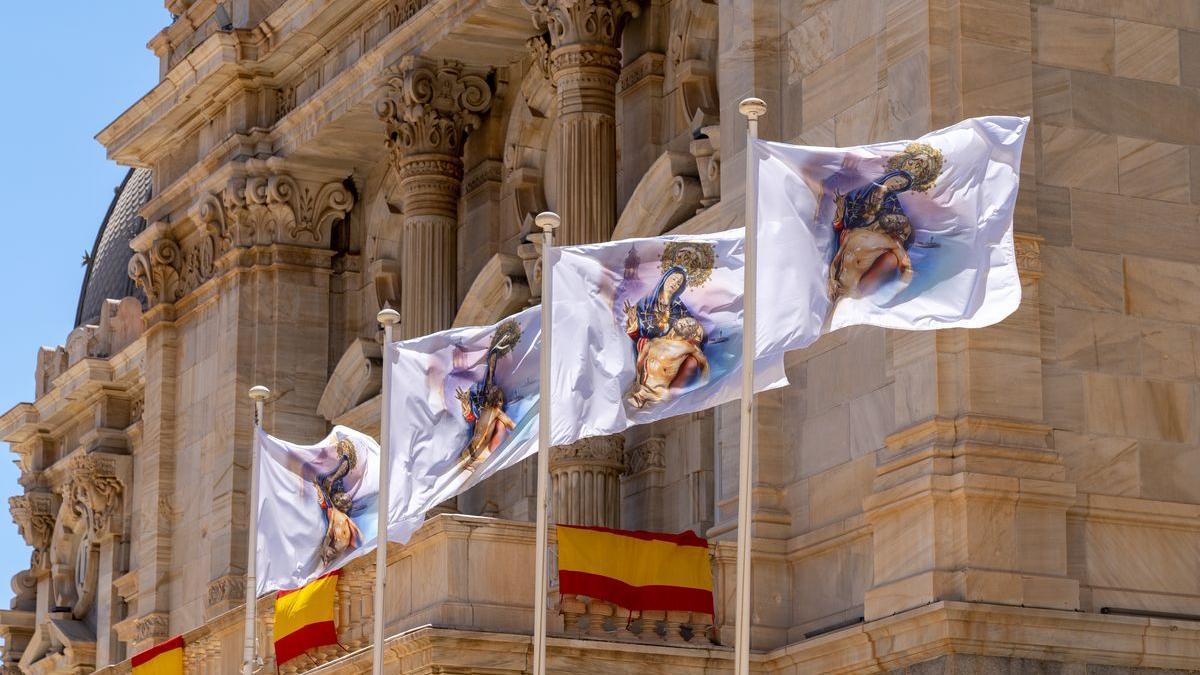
(107, 273)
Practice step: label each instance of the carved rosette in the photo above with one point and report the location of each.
(586, 481)
(572, 22)
(33, 513)
(430, 106)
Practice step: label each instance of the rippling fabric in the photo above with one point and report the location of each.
(908, 234)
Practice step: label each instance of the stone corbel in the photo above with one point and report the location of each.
(34, 513)
(156, 264)
(706, 148)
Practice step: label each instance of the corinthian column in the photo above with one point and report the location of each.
(584, 65)
(429, 107)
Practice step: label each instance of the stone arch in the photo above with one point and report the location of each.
(691, 67)
(529, 155)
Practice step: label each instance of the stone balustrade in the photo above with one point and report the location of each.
(582, 616)
(424, 590)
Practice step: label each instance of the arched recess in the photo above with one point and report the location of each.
(529, 155)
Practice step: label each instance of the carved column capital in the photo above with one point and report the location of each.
(586, 478)
(34, 514)
(572, 22)
(429, 106)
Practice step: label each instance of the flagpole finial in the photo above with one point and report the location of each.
(388, 316)
(260, 393)
(547, 220)
(753, 108)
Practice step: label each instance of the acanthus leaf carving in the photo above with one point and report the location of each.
(34, 513)
(429, 106)
(571, 22)
(97, 489)
(647, 455)
(251, 211)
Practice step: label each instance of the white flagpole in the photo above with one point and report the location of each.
(258, 395)
(752, 108)
(389, 318)
(547, 221)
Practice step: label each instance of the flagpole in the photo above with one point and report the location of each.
(752, 108)
(389, 318)
(547, 221)
(258, 394)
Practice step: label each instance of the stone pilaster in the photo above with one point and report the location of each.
(584, 64)
(970, 498)
(586, 481)
(429, 108)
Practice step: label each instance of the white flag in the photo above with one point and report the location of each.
(317, 506)
(646, 329)
(463, 406)
(909, 234)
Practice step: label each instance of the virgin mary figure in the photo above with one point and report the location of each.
(874, 234)
(668, 340)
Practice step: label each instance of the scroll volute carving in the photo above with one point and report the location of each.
(573, 22)
(92, 510)
(34, 514)
(430, 106)
(157, 270)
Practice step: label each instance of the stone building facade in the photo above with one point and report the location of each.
(1021, 498)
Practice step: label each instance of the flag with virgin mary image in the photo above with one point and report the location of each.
(913, 235)
(317, 506)
(646, 329)
(464, 405)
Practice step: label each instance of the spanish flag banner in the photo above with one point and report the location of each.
(636, 570)
(304, 617)
(162, 659)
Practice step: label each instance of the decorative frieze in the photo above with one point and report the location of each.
(152, 628)
(256, 210)
(226, 592)
(650, 454)
(33, 513)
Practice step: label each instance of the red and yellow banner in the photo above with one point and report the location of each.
(162, 659)
(636, 570)
(304, 617)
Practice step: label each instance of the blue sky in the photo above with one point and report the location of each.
(68, 70)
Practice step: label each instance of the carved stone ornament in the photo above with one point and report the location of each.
(151, 628)
(227, 589)
(157, 271)
(600, 450)
(430, 106)
(97, 489)
(645, 456)
(256, 210)
(573, 22)
(33, 513)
